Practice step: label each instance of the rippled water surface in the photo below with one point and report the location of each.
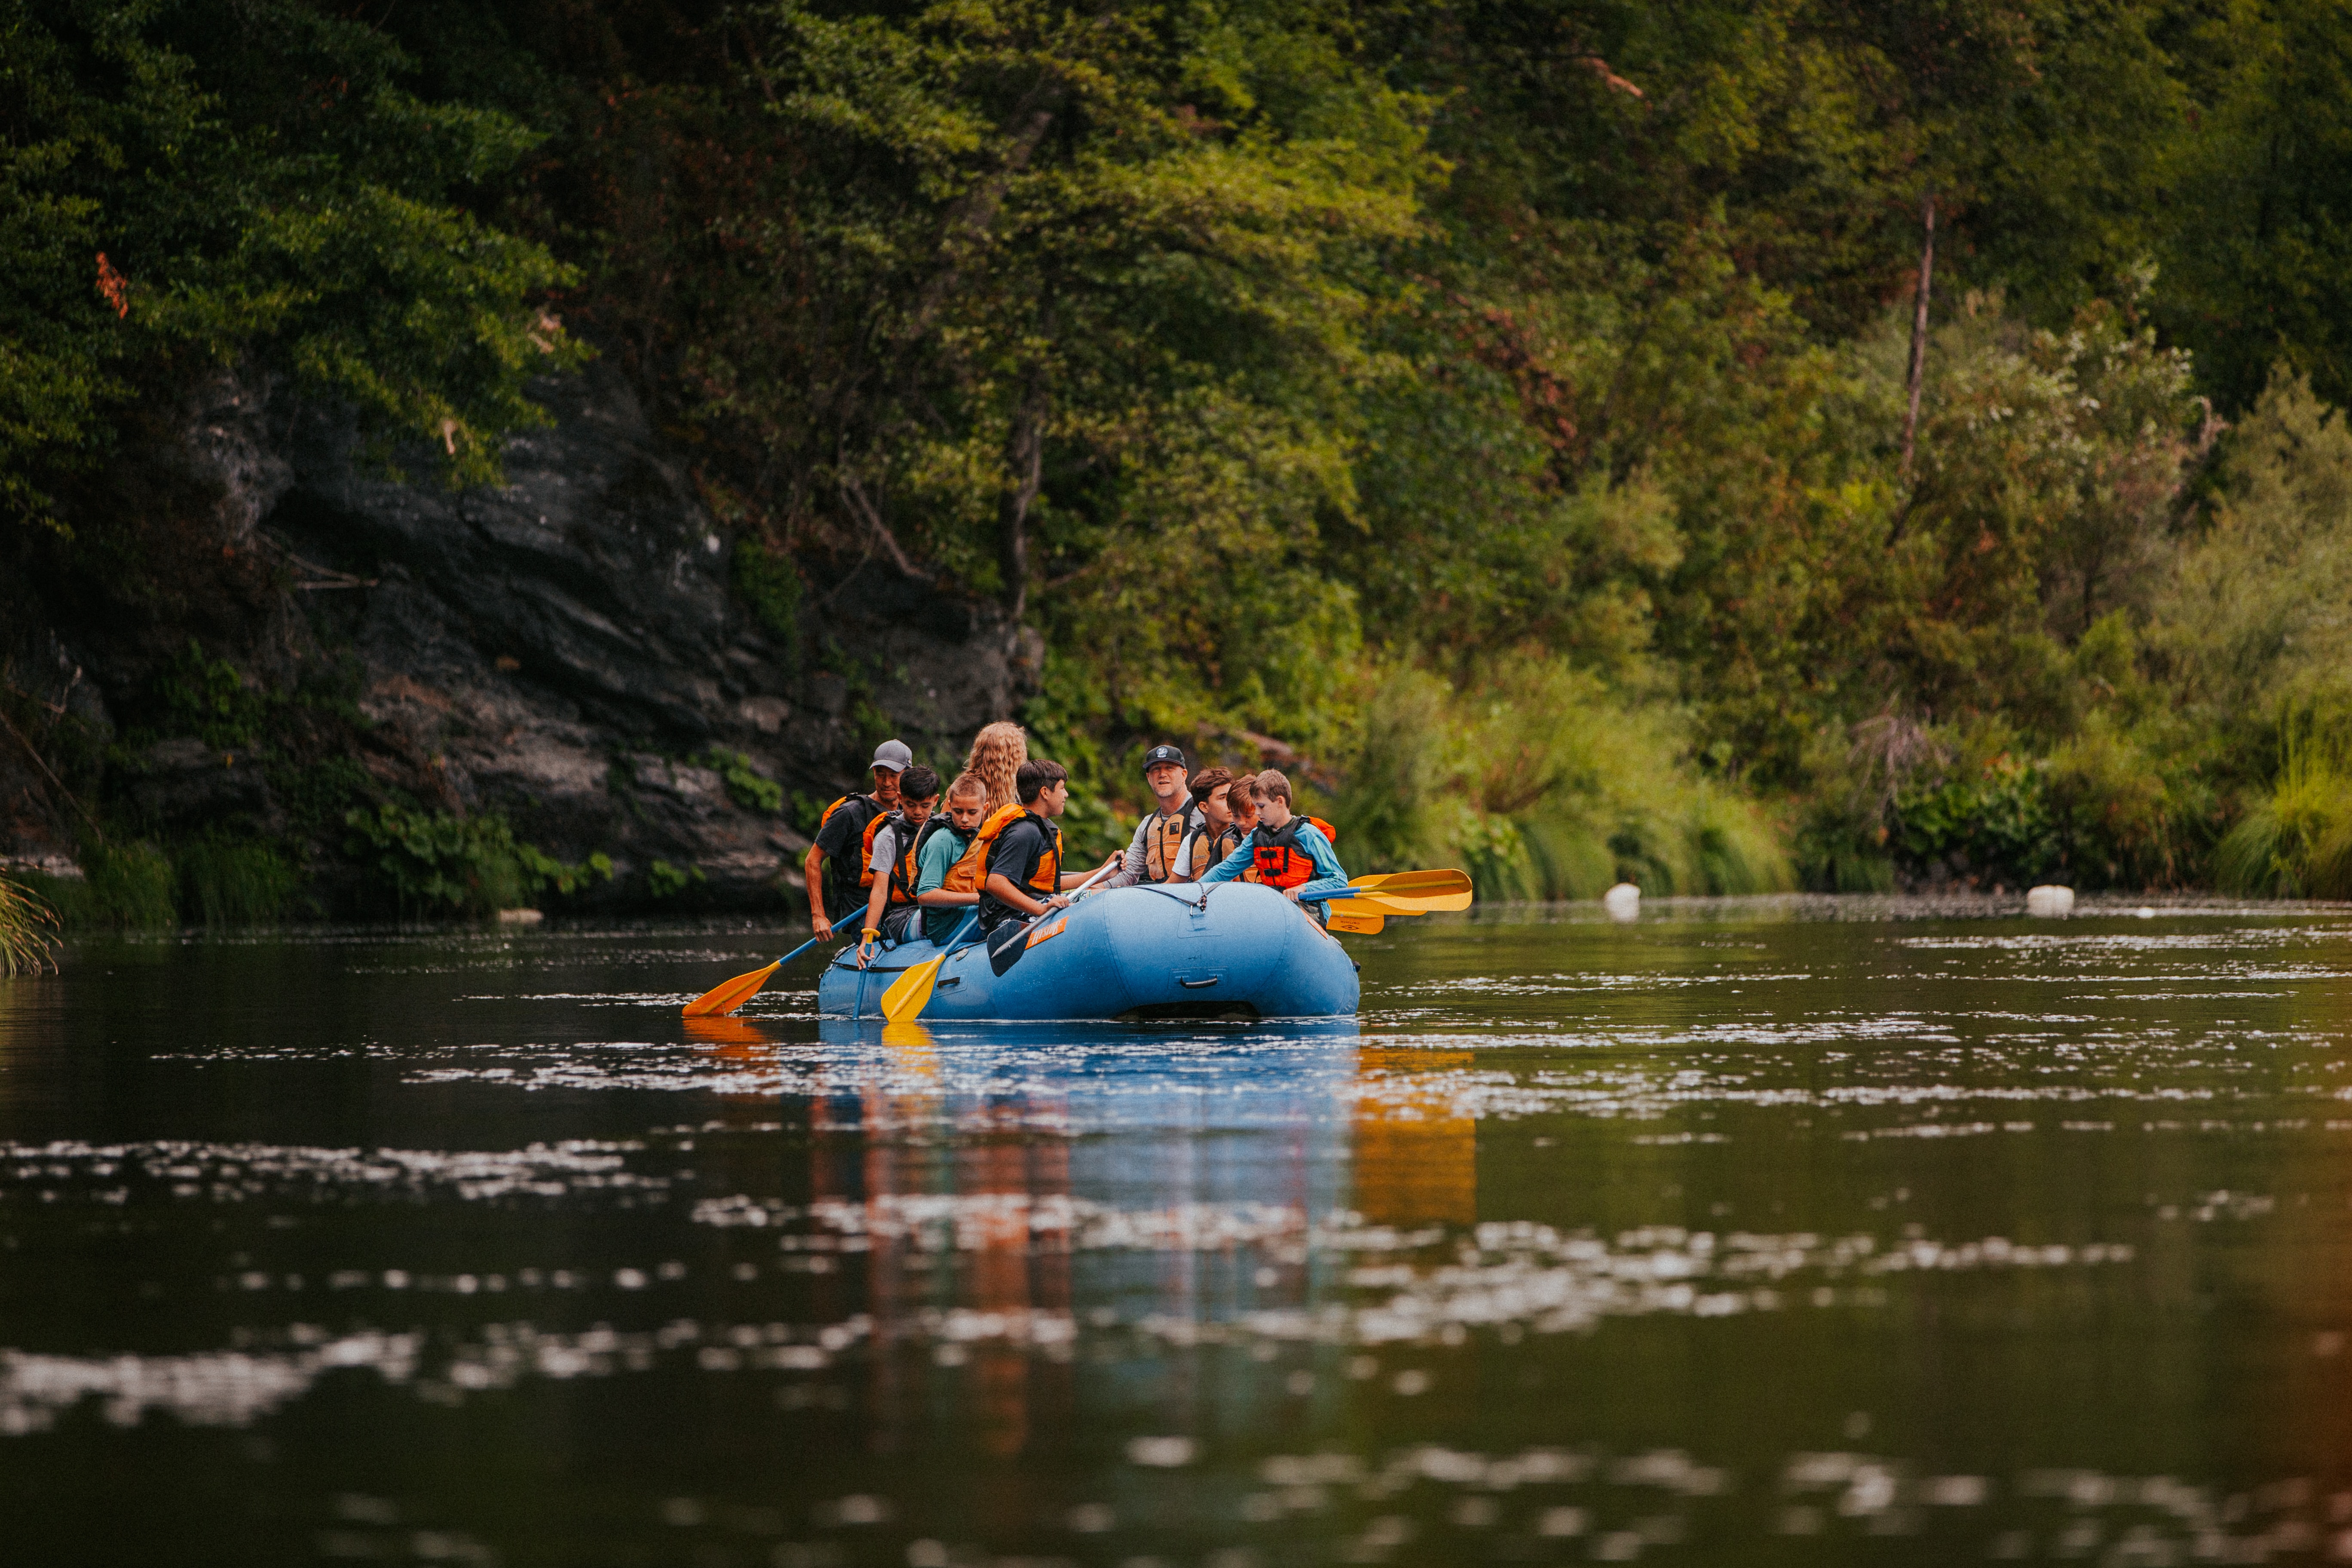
(1752, 1233)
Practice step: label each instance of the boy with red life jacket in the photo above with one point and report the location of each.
(835, 867)
(1167, 846)
(1024, 860)
(1287, 851)
(945, 842)
(891, 840)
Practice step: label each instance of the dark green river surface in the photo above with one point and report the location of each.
(1799, 1231)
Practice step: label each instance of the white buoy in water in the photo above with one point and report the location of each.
(2050, 903)
(1622, 901)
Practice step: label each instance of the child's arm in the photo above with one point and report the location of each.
(1132, 872)
(872, 931)
(930, 890)
(1233, 865)
(1330, 875)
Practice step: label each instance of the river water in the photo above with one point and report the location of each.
(1755, 1231)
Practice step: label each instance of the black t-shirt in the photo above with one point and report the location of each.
(843, 839)
(1015, 855)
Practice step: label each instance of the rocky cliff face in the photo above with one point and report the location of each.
(564, 650)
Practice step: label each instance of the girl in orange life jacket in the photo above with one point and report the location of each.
(890, 843)
(841, 840)
(1290, 852)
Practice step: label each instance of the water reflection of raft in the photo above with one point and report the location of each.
(1143, 952)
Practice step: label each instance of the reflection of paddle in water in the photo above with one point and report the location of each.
(1415, 1152)
(732, 1036)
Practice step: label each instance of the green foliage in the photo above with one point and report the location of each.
(25, 919)
(1543, 784)
(317, 795)
(210, 699)
(747, 788)
(668, 882)
(1996, 820)
(1502, 404)
(770, 585)
(123, 887)
(184, 182)
(230, 883)
(434, 864)
(2296, 841)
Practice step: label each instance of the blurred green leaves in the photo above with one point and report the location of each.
(186, 183)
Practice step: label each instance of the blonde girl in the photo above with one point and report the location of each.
(997, 754)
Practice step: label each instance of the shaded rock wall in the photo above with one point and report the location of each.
(565, 649)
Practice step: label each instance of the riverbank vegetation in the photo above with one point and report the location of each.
(1506, 407)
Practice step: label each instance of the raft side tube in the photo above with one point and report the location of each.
(1152, 952)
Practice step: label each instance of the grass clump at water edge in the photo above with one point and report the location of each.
(1543, 784)
(25, 923)
(2296, 841)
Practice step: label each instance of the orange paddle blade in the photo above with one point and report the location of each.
(1356, 924)
(731, 995)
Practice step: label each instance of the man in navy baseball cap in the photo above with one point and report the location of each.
(1167, 843)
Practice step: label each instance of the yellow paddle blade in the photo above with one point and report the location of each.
(1360, 925)
(731, 995)
(1416, 904)
(911, 992)
(1415, 884)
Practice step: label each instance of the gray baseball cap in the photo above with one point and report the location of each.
(894, 755)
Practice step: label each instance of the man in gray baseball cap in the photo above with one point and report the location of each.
(836, 867)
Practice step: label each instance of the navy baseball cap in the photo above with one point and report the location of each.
(1159, 755)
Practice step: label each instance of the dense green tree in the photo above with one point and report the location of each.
(194, 182)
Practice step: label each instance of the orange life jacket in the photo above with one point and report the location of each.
(1280, 863)
(1164, 838)
(972, 868)
(838, 877)
(902, 865)
(909, 869)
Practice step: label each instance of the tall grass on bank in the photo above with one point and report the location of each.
(2296, 842)
(123, 887)
(1542, 785)
(25, 925)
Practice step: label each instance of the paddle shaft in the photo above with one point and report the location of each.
(798, 950)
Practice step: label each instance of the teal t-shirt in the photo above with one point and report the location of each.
(931, 868)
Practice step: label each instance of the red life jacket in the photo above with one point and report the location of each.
(1280, 862)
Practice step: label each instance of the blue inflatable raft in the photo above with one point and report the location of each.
(1142, 952)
